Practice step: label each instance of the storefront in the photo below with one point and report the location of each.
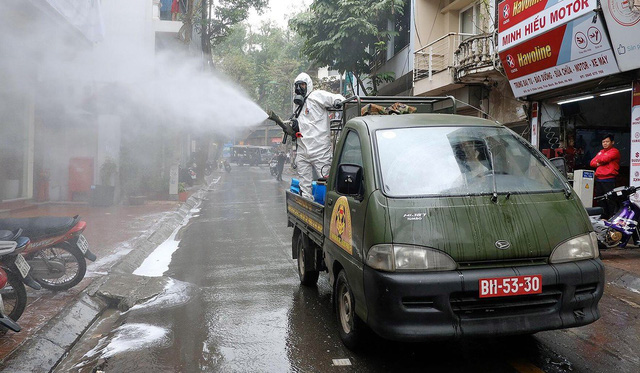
(560, 57)
(16, 148)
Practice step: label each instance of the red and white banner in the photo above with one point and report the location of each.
(623, 23)
(576, 51)
(634, 170)
(522, 20)
(535, 114)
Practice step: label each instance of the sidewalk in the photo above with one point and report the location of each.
(109, 232)
(622, 267)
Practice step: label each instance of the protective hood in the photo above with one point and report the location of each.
(304, 77)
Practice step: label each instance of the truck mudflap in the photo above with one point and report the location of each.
(424, 306)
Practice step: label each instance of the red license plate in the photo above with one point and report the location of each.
(506, 286)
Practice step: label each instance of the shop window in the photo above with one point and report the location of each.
(402, 24)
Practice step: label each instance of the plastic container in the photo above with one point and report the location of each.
(319, 190)
(295, 186)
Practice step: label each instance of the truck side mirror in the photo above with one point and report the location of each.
(561, 164)
(349, 179)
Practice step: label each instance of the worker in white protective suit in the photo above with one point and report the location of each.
(314, 147)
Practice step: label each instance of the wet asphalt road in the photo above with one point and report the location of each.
(236, 306)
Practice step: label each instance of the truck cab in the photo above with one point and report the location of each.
(446, 226)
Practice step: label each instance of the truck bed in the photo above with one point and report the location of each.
(306, 215)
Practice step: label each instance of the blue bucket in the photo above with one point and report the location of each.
(295, 186)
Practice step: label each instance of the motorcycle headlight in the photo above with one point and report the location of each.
(391, 258)
(578, 248)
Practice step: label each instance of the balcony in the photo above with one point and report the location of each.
(434, 65)
(167, 17)
(475, 59)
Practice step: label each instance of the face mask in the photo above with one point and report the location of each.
(300, 92)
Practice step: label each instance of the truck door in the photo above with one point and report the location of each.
(344, 218)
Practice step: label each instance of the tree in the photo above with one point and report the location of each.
(216, 17)
(264, 62)
(346, 34)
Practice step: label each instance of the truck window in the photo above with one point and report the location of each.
(458, 161)
(351, 151)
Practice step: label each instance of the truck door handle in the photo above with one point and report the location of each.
(330, 201)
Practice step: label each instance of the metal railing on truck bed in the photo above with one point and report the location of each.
(352, 107)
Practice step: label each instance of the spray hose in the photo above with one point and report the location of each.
(286, 127)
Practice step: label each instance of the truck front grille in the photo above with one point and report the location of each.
(467, 305)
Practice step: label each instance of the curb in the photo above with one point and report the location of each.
(623, 279)
(46, 348)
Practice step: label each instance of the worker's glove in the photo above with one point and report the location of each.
(337, 104)
(295, 125)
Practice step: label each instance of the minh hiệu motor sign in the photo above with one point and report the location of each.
(547, 44)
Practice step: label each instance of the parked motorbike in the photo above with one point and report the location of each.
(620, 228)
(224, 163)
(13, 295)
(17, 263)
(57, 250)
(208, 168)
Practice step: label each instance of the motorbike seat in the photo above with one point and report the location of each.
(41, 226)
(6, 235)
(592, 211)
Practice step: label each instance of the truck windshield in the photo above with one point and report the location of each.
(458, 161)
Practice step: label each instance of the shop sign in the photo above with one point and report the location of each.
(623, 23)
(572, 53)
(522, 20)
(634, 170)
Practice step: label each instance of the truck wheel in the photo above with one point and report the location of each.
(306, 256)
(350, 325)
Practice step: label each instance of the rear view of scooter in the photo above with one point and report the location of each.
(57, 250)
(13, 295)
(621, 227)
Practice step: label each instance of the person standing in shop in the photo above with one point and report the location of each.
(607, 164)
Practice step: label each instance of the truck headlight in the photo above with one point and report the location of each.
(578, 248)
(391, 258)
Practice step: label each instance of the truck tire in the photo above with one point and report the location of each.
(350, 325)
(306, 261)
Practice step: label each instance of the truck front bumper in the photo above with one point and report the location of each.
(427, 305)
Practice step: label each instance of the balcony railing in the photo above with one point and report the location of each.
(475, 54)
(436, 56)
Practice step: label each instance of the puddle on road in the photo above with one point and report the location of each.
(157, 263)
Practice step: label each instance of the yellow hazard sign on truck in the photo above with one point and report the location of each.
(340, 227)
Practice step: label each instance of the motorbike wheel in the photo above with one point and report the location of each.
(74, 263)
(207, 171)
(14, 298)
(227, 168)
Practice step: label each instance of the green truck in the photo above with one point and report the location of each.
(437, 225)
